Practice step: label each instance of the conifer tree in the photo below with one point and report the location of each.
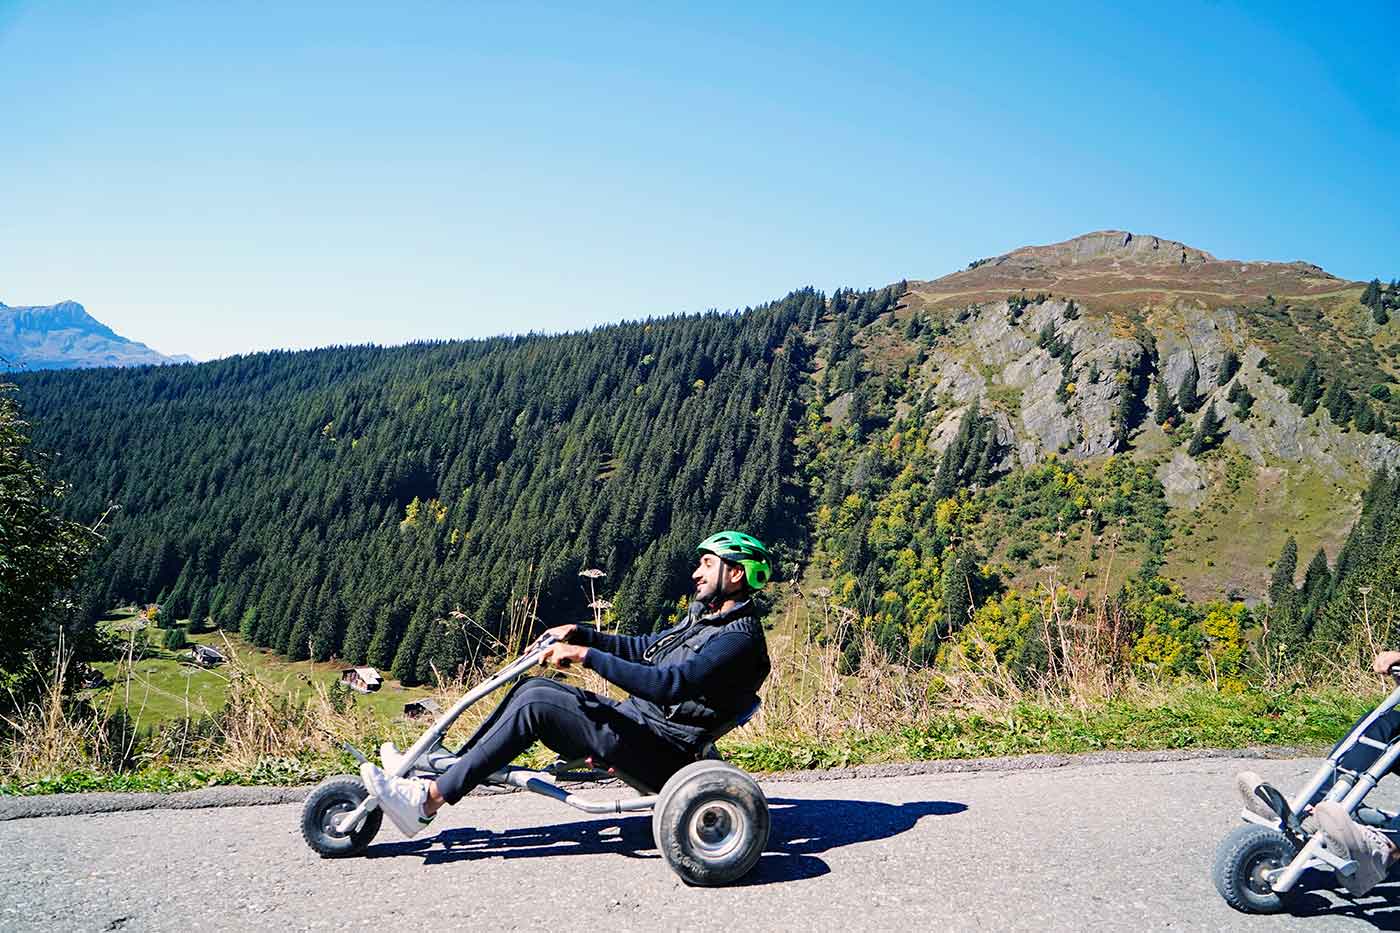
(41, 553)
(1207, 432)
(405, 666)
(248, 624)
(1371, 297)
(1316, 579)
(1281, 589)
(957, 598)
(1165, 407)
(1229, 365)
(1307, 388)
(1338, 401)
(199, 609)
(329, 628)
(1186, 395)
(358, 633)
(1242, 399)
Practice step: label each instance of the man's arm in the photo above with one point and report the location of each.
(698, 676)
(626, 647)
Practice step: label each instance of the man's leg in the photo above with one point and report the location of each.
(1360, 757)
(575, 723)
(512, 727)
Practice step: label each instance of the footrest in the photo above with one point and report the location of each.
(1279, 804)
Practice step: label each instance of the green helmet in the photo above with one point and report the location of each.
(745, 550)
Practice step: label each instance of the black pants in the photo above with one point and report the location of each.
(1384, 729)
(575, 723)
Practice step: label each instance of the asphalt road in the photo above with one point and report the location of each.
(1087, 847)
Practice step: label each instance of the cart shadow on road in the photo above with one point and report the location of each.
(801, 829)
(1380, 908)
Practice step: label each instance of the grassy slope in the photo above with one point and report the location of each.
(1230, 543)
(167, 687)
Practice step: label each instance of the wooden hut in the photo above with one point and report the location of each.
(363, 679)
(420, 709)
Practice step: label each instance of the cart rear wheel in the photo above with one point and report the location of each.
(674, 781)
(711, 823)
(1241, 862)
(332, 798)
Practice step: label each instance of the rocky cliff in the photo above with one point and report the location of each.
(1048, 341)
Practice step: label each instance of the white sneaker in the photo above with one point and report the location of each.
(401, 798)
(390, 757)
(1368, 847)
(1245, 783)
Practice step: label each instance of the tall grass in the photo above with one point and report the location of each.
(816, 711)
(809, 694)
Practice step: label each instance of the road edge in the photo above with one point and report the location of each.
(19, 808)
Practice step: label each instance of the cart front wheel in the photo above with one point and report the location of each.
(1243, 859)
(713, 823)
(331, 799)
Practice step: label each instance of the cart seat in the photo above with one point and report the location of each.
(709, 750)
(597, 768)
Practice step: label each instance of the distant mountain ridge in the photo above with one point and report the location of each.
(65, 336)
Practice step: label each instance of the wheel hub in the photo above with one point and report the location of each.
(1259, 871)
(715, 828)
(331, 814)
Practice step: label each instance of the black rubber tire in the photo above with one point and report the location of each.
(713, 823)
(1241, 859)
(674, 781)
(330, 798)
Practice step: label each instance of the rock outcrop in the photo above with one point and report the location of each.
(1044, 406)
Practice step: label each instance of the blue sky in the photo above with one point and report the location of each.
(213, 179)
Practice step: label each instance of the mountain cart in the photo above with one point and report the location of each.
(710, 821)
(1258, 864)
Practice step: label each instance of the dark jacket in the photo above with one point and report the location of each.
(690, 679)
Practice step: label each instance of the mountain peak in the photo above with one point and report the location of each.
(1111, 245)
(65, 336)
(1119, 268)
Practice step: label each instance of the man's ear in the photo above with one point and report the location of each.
(735, 569)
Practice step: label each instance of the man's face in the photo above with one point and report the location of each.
(713, 578)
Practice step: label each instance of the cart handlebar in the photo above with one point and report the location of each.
(545, 640)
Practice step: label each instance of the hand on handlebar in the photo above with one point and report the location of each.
(561, 633)
(1385, 661)
(562, 655)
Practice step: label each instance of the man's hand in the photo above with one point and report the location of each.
(561, 632)
(1385, 661)
(562, 655)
